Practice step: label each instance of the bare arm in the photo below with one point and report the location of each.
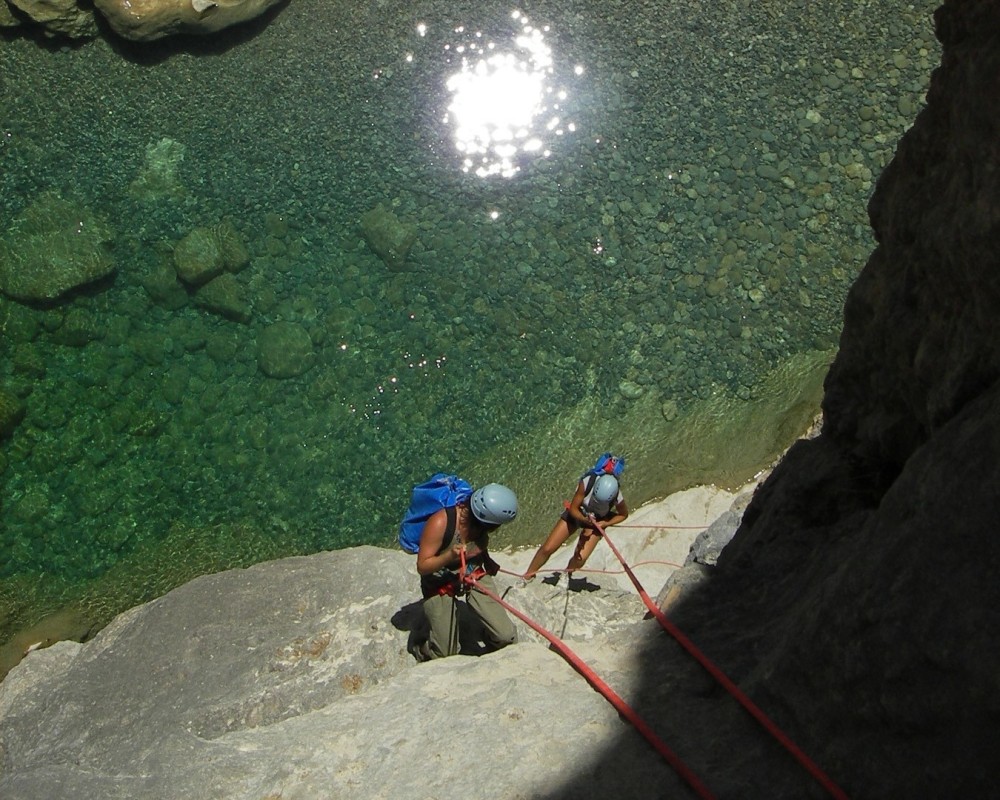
(621, 514)
(491, 566)
(431, 539)
(576, 505)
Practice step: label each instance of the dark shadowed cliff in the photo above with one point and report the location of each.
(859, 599)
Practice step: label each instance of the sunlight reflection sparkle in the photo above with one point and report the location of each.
(502, 102)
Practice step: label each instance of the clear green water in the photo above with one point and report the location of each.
(673, 268)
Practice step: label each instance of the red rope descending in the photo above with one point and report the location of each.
(599, 684)
(732, 688)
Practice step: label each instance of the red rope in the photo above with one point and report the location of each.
(732, 688)
(601, 686)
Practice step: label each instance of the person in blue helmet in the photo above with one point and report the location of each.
(598, 495)
(447, 534)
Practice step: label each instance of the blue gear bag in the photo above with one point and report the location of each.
(437, 492)
(607, 464)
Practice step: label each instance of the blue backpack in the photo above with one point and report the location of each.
(607, 464)
(437, 492)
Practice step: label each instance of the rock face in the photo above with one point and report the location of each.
(871, 551)
(292, 679)
(146, 20)
(54, 245)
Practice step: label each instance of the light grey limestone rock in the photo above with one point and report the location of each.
(292, 679)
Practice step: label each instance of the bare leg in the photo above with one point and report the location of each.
(584, 547)
(560, 533)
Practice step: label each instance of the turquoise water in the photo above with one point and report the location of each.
(684, 212)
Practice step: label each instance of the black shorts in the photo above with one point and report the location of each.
(574, 526)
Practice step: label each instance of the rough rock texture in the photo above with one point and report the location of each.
(184, 697)
(922, 319)
(704, 554)
(860, 591)
(146, 20)
(53, 246)
(59, 17)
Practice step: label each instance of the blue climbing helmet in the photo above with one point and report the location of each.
(606, 488)
(493, 504)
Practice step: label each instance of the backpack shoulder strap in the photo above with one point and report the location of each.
(449, 529)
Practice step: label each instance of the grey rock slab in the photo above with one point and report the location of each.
(292, 679)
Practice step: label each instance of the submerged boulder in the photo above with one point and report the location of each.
(206, 252)
(284, 350)
(198, 257)
(54, 245)
(159, 176)
(388, 237)
(11, 412)
(224, 296)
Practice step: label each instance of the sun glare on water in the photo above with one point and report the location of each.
(503, 107)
